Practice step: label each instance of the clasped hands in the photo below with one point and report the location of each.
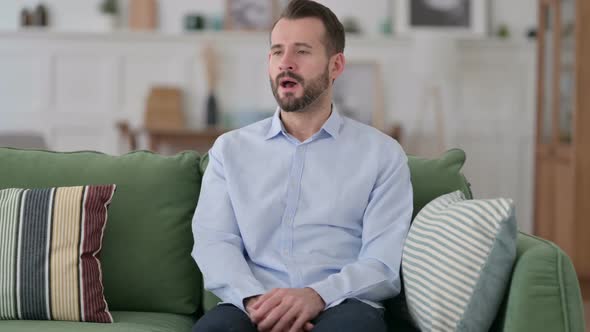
(285, 309)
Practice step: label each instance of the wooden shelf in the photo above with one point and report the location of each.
(125, 35)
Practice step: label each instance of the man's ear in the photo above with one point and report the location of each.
(337, 65)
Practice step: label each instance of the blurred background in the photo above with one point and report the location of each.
(166, 75)
(112, 75)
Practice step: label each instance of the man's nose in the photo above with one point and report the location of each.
(287, 64)
(286, 67)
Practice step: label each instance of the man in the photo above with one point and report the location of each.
(302, 217)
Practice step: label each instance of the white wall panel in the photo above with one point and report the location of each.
(24, 88)
(80, 137)
(139, 73)
(83, 83)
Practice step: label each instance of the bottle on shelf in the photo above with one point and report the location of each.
(40, 16)
(26, 17)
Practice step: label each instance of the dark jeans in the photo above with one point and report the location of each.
(349, 316)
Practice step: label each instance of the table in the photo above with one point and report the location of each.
(200, 140)
(177, 139)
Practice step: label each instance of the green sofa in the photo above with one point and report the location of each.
(152, 284)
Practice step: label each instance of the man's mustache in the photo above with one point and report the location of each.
(284, 74)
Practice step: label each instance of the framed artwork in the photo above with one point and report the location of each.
(462, 17)
(358, 93)
(253, 15)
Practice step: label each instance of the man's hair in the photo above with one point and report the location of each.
(334, 36)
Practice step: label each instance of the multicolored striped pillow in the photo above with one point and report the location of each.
(456, 262)
(49, 242)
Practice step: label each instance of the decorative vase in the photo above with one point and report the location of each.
(211, 110)
(40, 16)
(26, 18)
(143, 14)
(107, 22)
(211, 107)
(194, 22)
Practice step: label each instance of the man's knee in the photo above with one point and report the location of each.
(351, 315)
(224, 318)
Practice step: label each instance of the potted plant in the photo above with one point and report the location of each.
(109, 10)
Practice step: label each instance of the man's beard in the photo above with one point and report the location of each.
(311, 91)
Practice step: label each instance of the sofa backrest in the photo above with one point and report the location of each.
(434, 177)
(146, 249)
(145, 257)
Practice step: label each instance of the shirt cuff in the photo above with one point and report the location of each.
(244, 290)
(327, 292)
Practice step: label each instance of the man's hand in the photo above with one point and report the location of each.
(287, 309)
(249, 303)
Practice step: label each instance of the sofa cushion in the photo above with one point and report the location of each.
(146, 258)
(124, 322)
(457, 261)
(49, 242)
(434, 177)
(431, 177)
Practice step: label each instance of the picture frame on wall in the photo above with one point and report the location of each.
(460, 17)
(358, 93)
(250, 15)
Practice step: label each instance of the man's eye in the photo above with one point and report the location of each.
(276, 53)
(302, 52)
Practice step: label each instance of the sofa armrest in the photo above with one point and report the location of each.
(544, 292)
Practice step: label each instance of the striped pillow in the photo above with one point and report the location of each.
(49, 242)
(457, 261)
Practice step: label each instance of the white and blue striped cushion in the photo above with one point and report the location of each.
(457, 261)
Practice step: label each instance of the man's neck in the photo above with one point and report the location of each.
(303, 124)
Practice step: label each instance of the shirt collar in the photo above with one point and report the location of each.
(276, 126)
(331, 126)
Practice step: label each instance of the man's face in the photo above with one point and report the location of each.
(299, 68)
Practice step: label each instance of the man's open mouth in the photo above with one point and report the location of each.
(288, 83)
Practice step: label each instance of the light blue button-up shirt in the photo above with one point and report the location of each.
(330, 213)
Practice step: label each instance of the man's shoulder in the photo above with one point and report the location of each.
(251, 133)
(368, 135)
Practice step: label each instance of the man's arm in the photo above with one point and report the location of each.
(375, 275)
(219, 249)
